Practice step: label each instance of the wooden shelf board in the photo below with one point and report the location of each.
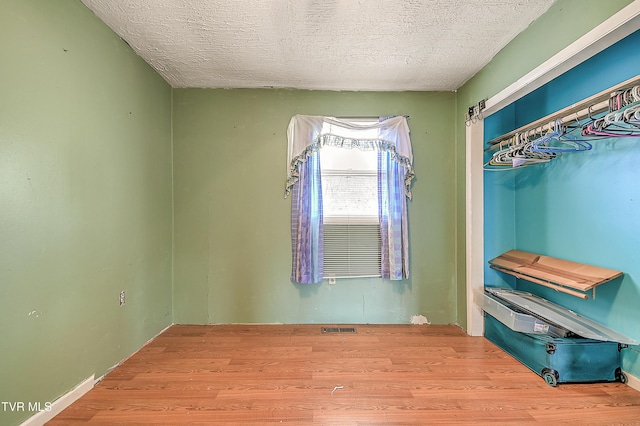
(561, 272)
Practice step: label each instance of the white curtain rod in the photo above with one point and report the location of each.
(366, 117)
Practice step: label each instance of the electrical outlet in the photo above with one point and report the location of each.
(332, 280)
(122, 298)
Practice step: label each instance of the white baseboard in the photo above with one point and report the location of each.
(61, 403)
(632, 381)
(70, 397)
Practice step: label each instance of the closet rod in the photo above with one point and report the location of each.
(578, 111)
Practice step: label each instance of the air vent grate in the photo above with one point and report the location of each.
(338, 330)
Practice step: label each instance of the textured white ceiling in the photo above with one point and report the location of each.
(380, 45)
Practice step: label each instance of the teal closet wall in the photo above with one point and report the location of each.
(582, 207)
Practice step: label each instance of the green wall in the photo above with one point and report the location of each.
(85, 190)
(232, 225)
(565, 22)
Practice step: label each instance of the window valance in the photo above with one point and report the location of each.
(306, 134)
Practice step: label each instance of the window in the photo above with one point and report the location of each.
(350, 210)
(349, 185)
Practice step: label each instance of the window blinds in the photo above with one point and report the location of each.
(352, 250)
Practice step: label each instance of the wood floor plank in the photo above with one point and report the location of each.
(296, 375)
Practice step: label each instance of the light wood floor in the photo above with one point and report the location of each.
(295, 375)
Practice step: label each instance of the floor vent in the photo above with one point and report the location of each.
(338, 330)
